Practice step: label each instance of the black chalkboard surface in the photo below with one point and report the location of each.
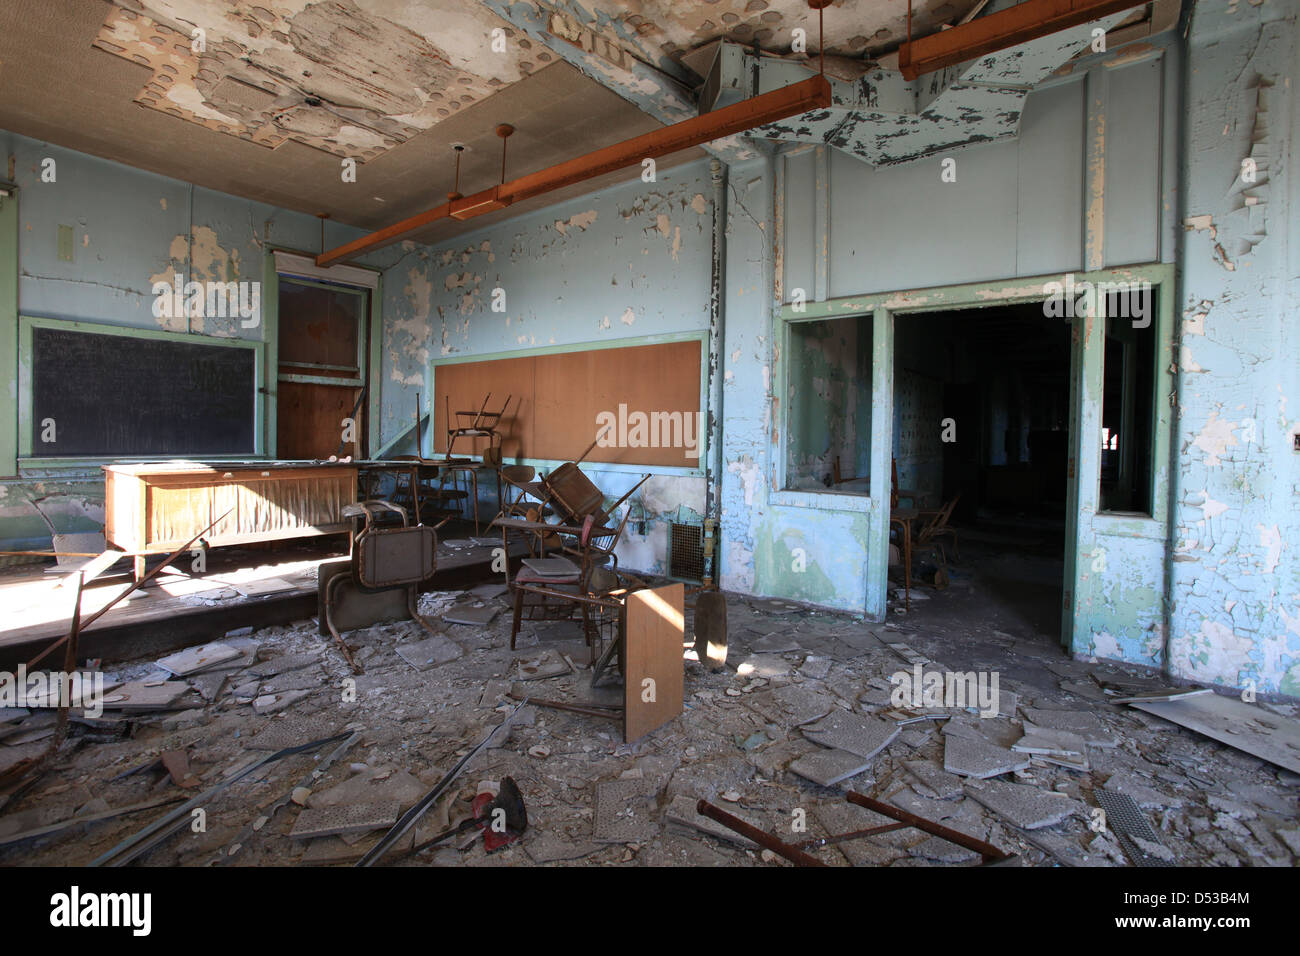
(118, 395)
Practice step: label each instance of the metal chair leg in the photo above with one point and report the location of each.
(411, 605)
(330, 590)
(519, 608)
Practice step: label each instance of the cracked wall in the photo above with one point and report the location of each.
(1235, 581)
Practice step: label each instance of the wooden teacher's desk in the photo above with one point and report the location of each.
(155, 507)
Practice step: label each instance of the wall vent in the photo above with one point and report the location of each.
(686, 552)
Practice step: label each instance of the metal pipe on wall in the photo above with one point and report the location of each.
(717, 347)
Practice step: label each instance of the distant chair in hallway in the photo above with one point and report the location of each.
(936, 524)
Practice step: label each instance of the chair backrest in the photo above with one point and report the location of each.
(574, 491)
(940, 517)
(393, 557)
(609, 543)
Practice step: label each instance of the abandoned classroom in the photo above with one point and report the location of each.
(475, 432)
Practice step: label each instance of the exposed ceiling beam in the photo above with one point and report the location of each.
(583, 43)
(810, 94)
(1025, 21)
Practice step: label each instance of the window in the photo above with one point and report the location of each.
(1128, 402)
(828, 418)
(320, 329)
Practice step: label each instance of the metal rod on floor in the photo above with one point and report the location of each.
(612, 711)
(852, 835)
(412, 816)
(988, 851)
(762, 838)
(135, 585)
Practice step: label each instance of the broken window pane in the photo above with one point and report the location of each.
(1128, 402)
(828, 420)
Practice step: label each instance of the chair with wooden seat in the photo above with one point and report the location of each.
(480, 424)
(588, 586)
(559, 591)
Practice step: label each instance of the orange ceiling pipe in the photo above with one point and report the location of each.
(998, 31)
(810, 94)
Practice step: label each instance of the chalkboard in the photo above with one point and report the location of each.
(119, 395)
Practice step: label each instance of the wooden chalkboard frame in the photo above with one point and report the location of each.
(431, 399)
(26, 326)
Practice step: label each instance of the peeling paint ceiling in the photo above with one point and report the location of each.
(60, 87)
(352, 77)
(264, 100)
(657, 28)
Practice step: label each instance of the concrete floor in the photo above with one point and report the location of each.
(1210, 804)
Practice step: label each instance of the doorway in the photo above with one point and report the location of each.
(981, 426)
(322, 371)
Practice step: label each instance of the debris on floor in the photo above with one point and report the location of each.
(800, 715)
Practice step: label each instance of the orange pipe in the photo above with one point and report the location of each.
(810, 94)
(1007, 28)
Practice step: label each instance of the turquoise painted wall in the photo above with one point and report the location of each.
(129, 228)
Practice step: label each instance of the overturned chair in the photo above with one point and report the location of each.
(381, 578)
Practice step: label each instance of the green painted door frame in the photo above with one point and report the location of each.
(271, 337)
(9, 331)
(1084, 525)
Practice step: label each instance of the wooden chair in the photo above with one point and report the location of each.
(597, 554)
(936, 524)
(591, 588)
(554, 603)
(517, 487)
(480, 424)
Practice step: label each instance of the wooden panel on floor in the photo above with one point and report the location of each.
(652, 693)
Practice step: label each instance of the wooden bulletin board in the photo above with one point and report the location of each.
(558, 396)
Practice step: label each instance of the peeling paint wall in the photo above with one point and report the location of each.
(630, 261)
(130, 229)
(1235, 580)
(845, 229)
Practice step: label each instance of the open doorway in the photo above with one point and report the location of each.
(981, 427)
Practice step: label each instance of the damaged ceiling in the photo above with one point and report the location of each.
(263, 98)
(667, 28)
(352, 77)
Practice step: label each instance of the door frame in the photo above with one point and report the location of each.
(1087, 353)
(298, 265)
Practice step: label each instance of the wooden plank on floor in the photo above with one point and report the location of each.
(652, 693)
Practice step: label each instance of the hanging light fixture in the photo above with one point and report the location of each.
(455, 189)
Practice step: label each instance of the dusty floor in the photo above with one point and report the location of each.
(1210, 804)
